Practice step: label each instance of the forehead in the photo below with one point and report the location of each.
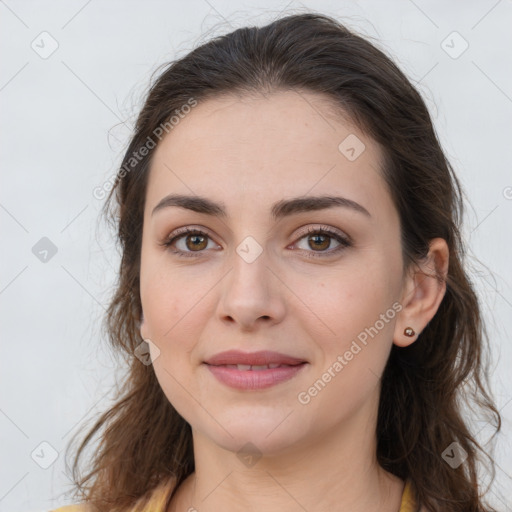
(253, 149)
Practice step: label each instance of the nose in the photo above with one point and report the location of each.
(251, 294)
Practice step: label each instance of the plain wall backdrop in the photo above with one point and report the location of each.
(72, 78)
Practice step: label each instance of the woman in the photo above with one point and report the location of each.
(293, 264)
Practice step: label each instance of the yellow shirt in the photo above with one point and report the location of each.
(408, 502)
(157, 500)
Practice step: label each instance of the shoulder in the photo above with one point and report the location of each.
(73, 508)
(409, 499)
(154, 500)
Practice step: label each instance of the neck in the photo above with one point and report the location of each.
(336, 471)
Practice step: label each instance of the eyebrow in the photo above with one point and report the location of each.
(279, 210)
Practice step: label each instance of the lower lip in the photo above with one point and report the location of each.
(254, 379)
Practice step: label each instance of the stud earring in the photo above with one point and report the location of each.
(409, 331)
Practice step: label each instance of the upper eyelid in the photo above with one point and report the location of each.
(302, 230)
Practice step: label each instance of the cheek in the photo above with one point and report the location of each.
(358, 308)
(172, 307)
(174, 304)
(351, 299)
(352, 347)
(167, 297)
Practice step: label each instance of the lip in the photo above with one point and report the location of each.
(264, 357)
(254, 379)
(224, 367)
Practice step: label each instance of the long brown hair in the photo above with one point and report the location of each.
(143, 439)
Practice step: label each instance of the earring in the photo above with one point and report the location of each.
(409, 331)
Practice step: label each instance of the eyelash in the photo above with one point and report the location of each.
(344, 242)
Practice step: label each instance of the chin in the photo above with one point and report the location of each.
(267, 436)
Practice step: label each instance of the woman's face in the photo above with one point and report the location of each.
(261, 282)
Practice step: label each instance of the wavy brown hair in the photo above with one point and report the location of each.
(143, 441)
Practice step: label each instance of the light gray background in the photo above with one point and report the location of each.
(65, 122)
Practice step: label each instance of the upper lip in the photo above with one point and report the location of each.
(261, 358)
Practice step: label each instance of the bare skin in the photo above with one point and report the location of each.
(317, 450)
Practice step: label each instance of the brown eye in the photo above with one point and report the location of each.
(319, 241)
(195, 241)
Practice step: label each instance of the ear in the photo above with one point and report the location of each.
(422, 293)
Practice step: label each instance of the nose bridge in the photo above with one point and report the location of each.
(249, 263)
(250, 251)
(250, 290)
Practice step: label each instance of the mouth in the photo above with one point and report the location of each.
(259, 370)
(261, 360)
(254, 367)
